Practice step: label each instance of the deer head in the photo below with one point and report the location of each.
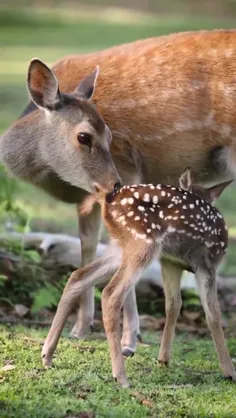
(66, 136)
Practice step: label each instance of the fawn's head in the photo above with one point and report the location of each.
(209, 194)
(75, 136)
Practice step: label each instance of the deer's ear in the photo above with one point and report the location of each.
(87, 86)
(215, 191)
(185, 180)
(42, 85)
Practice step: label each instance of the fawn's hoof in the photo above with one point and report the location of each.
(127, 352)
(47, 361)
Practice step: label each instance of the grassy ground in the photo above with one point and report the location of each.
(81, 380)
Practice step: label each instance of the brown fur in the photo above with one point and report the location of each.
(169, 102)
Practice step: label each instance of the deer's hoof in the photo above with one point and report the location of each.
(231, 377)
(127, 352)
(123, 382)
(162, 363)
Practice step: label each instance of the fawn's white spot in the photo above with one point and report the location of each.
(121, 218)
(184, 207)
(197, 202)
(161, 214)
(146, 197)
(192, 225)
(171, 229)
(130, 200)
(189, 234)
(192, 206)
(137, 218)
(170, 205)
(153, 225)
(124, 201)
(136, 195)
(163, 193)
(114, 213)
(158, 186)
(155, 199)
(182, 217)
(145, 220)
(141, 208)
(148, 230)
(173, 188)
(222, 243)
(131, 213)
(151, 186)
(152, 209)
(113, 203)
(124, 223)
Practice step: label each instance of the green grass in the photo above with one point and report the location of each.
(81, 380)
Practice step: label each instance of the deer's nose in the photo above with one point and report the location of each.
(117, 186)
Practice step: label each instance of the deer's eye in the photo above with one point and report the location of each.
(85, 138)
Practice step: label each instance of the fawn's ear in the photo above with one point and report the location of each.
(42, 85)
(215, 191)
(87, 86)
(185, 180)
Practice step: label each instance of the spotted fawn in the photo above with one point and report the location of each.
(146, 221)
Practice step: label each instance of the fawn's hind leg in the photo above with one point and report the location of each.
(171, 275)
(79, 281)
(206, 281)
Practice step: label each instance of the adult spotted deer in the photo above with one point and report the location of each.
(154, 221)
(169, 103)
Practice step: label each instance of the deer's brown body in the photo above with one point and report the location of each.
(169, 102)
(148, 221)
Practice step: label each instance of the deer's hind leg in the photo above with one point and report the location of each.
(171, 276)
(206, 281)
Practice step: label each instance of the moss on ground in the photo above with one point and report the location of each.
(81, 380)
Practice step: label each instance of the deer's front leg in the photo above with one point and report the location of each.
(89, 227)
(131, 329)
(171, 275)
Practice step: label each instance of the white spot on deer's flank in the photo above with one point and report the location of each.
(114, 213)
(136, 195)
(192, 206)
(155, 199)
(148, 230)
(146, 197)
(141, 208)
(161, 214)
(137, 218)
(130, 200)
(124, 201)
(131, 213)
(124, 223)
(163, 193)
(182, 217)
(153, 226)
(121, 218)
(171, 229)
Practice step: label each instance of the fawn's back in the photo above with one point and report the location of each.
(186, 226)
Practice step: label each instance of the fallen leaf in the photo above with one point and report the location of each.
(90, 414)
(7, 367)
(21, 310)
(142, 399)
